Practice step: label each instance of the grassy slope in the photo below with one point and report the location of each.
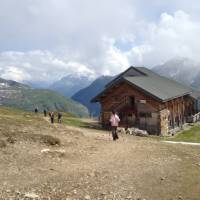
(71, 121)
(192, 135)
(31, 98)
(17, 116)
(13, 120)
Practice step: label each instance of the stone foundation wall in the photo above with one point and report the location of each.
(164, 122)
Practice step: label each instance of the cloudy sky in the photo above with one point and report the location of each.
(44, 40)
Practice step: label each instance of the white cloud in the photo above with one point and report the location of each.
(174, 35)
(38, 66)
(13, 73)
(42, 41)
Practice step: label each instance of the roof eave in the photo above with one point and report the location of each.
(117, 77)
(100, 95)
(95, 100)
(175, 97)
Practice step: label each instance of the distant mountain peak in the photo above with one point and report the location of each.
(78, 76)
(10, 83)
(72, 83)
(86, 94)
(181, 69)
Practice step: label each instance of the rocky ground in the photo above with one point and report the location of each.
(56, 162)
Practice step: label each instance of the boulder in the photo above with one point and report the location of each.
(139, 132)
(134, 131)
(59, 152)
(142, 133)
(31, 196)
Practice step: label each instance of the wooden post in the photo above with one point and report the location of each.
(183, 111)
(178, 112)
(173, 114)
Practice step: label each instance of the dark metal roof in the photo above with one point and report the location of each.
(159, 87)
(131, 71)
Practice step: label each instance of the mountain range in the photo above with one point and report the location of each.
(85, 95)
(183, 70)
(24, 97)
(71, 84)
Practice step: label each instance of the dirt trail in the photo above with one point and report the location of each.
(95, 167)
(143, 167)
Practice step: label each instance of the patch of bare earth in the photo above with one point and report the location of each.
(87, 164)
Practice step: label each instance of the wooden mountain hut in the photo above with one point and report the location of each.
(148, 101)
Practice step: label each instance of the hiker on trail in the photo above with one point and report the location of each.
(114, 120)
(52, 117)
(45, 112)
(59, 117)
(36, 110)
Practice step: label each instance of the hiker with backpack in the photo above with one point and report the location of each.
(59, 117)
(51, 114)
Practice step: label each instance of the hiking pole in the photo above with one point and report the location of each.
(109, 133)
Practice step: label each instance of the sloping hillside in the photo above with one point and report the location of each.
(24, 97)
(85, 95)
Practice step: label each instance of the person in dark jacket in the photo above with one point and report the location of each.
(45, 112)
(36, 110)
(52, 117)
(59, 117)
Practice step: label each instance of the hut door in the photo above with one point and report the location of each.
(132, 101)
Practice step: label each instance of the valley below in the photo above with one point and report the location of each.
(42, 161)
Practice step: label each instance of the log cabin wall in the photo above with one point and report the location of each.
(172, 114)
(142, 111)
(179, 109)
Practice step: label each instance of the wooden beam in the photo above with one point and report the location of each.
(173, 114)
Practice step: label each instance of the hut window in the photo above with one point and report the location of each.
(115, 98)
(146, 115)
(132, 100)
